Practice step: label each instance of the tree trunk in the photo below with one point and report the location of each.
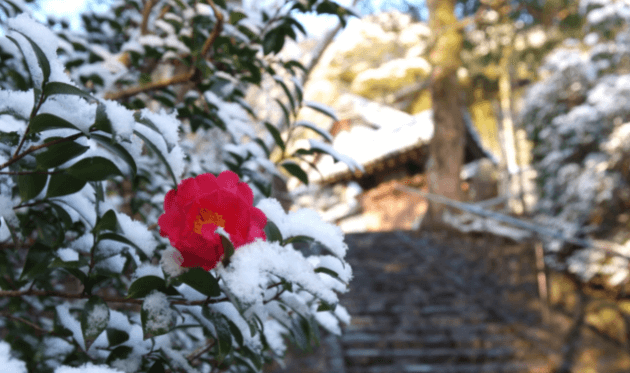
(447, 145)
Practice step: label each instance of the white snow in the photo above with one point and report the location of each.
(138, 233)
(121, 119)
(6, 209)
(234, 116)
(304, 222)
(69, 322)
(159, 314)
(171, 262)
(178, 360)
(97, 319)
(17, 102)
(352, 164)
(328, 321)
(45, 39)
(8, 363)
(74, 109)
(247, 276)
(274, 334)
(147, 269)
(175, 157)
(167, 124)
(67, 254)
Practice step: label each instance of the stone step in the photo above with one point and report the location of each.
(485, 367)
(374, 356)
(366, 340)
(386, 327)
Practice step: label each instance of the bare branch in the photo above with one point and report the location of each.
(20, 293)
(132, 91)
(145, 16)
(35, 148)
(218, 27)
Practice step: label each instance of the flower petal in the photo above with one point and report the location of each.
(245, 192)
(228, 180)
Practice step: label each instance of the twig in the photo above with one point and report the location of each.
(200, 351)
(29, 172)
(145, 16)
(132, 91)
(215, 32)
(20, 293)
(17, 157)
(33, 114)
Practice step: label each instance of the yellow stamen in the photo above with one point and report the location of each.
(206, 216)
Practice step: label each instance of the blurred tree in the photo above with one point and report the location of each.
(447, 146)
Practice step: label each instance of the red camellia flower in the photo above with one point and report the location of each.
(199, 205)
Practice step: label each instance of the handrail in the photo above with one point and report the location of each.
(608, 247)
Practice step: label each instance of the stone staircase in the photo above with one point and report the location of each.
(441, 304)
(419, 306)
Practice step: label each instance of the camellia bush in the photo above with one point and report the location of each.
(578, 117)
(137, 228)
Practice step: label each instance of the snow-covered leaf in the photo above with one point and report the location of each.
(94, 319)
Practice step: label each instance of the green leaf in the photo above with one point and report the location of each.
(299, 334)
(62, 214)
(117, 237)
(273, 41)
(323, 306)
(58, 154)
(322, 109)
(298, 239)
(116, 336)
(144, 285)
(37, 260)
(31, 185)
(236, 17)
(13, 138)
(224, 336)
(117, 149)
(41, 58)
(94, 319)
(297, 24)
(329, 272)
(107, 222)
(94, 169)
(312, 126)
(119, 353)
(293, 63)
(258, 141)
(45, 121)
(59, 88)
(73, 264)
(157, 367)
(101, 122)
(63, 184)
(285, 111)
(272, 232)
(286, 91)
(236, 332)
(160, 155)
(202, 281)
(295, 170)
(276, 135)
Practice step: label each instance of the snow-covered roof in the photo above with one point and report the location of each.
(385, 132)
